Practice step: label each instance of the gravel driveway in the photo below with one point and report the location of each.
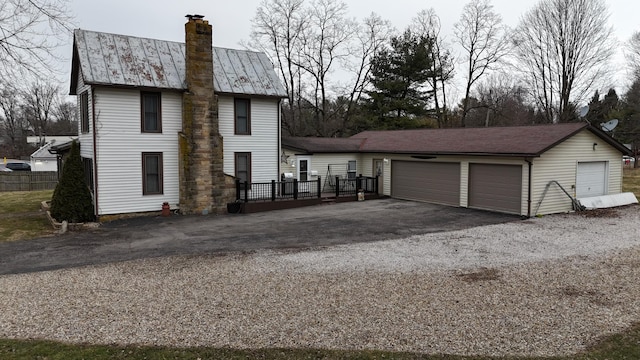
(544, 286)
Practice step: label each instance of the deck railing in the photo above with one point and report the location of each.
(295, 190)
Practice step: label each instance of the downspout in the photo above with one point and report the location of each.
(279, 137)
(95, 152)
(529, 187)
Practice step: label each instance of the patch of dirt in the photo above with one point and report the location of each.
(483, 274)
(600, 213)
(593, 296)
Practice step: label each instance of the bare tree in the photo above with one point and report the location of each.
(484, 40)
(503, 101)
(65, 118)
(371, 35)
(29, 32)
(13, 124)
(39, 104)
(277, 30)
(632, 53)
(563, 48)
(427, 23)
(324, 44)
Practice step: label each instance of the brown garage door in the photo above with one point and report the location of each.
(495, 187)
(426, 181)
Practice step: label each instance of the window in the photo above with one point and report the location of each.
(84, 112)
(150, 112)
(243, 116)
(243, 168)
(87, 164)
(351, 169)
(151, 173)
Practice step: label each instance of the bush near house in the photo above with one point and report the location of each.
(71, 200)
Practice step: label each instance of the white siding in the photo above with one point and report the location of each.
(120, 148)
(85, 139)
(320, 163)
(561, 163)
(263, 142)
(288, 165)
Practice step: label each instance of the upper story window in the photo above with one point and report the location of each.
(242, 115)
(151, 116)
(84, 112)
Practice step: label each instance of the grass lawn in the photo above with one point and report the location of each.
(623, 346)
(20, 215)
(631, 181)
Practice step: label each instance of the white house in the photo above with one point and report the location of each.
(520, 170)
(162, 121)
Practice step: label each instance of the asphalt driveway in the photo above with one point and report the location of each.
(315, 226)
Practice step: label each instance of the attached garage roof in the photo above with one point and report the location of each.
(120, 60)
(516, 141)
(528, 141)
(313, 145)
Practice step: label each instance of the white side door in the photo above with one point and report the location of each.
(303, 166)
(591, 179)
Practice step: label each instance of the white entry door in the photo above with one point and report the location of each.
(303, 168)
(591, 179)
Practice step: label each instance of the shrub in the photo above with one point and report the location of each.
(71, 199)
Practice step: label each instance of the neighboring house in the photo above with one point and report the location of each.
(504, 169)
(43, 160)
(59, 139)
(164, 122)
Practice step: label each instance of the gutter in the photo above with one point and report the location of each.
(279, 150)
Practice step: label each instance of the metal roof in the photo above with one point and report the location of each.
(119, 60)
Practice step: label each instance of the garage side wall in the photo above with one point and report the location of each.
(561, 163)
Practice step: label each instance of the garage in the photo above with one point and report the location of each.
(426, 181)
(591, 179)
(495, 187)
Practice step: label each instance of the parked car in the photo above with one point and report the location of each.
(628, 160)
(18, 166)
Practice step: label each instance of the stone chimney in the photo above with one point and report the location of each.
(202, 179)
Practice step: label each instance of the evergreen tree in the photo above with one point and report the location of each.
(400, 77)
(71, 199)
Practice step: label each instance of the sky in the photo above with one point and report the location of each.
(231, 20)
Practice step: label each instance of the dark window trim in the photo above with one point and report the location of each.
(84, 112)
(144, 173)
(235, 116)
(142, 122)
(87, 164)
(235, 166)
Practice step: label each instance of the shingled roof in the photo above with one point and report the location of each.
(514, 141)
(128, 61)
(313, 145)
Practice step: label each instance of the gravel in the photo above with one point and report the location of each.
(544, 286)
